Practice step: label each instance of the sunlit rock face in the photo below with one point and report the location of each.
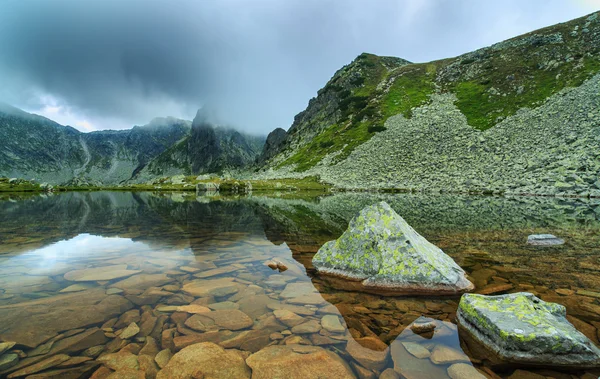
(381, 253)
(521, 329)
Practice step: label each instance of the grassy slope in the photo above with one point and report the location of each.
(490, 85)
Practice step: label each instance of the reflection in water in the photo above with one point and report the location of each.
(76, 269)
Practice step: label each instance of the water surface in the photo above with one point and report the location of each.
(58, 254)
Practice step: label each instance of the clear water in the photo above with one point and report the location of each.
(52, 246)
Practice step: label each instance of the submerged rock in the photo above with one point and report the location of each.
(544, 240)
(521, 329)
(208, 359)
(297, 362)
(381, 253)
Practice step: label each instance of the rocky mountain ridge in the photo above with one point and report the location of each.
(35, 147)
(520, 116)
(209, 148)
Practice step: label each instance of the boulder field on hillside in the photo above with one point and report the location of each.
(380, 253)
(519, 329)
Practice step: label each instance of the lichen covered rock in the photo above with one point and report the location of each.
(381, 253)
(521, 329)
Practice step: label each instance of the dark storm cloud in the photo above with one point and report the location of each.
(119, 63)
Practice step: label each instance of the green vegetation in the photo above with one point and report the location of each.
(18, 186)
(518, 85)
(490, 85)
(365, 110)
(411, 88)
(333, 139)
(311, 183)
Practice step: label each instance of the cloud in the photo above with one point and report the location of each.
(113, 64)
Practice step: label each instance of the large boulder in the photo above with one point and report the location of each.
(381, 253)
(520, 329)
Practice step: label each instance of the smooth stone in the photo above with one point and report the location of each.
(192, 308)
(495, 288)
(389, 373)
(464, 371)
(142, 282)
(443, 355)
(93, 351)
(8, 361)
(297, 362)
(410, 367)
(522, 374)
(416, 350)
(148, 366)
(114, 291)
(163, 357)
(297, 309)
(297, 289)
(83, 370)
(231, 319)
(120, 361)
(212, 360)
(544, 240)
(79, 342)
(223, 305)
(50, 315)
(380, 253)
(127, 318)
(211, 287)
(423, 325)
(150, 347)
(311, 299)
(521, 329)
(332, 324)
(288, 318)
(78, 287)
(41, 349)
(100, 273)
(5, 346)
(363, 372)
(74, 361)
(130, 331)
(254, 305)
(312, 326)
(216, 271)
(372, 343)
(43, 365)
(371, 359)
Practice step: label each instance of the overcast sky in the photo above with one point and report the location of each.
(112, 64)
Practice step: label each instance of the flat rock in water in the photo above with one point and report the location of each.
(5, 346)
(43, 365)
(8, 360)
(297, 362)
(464, 371)
(416, 350)
(311, 326)
(443, 355)
(34, 322)
(214, 287)
(544, 240)
(131, 330)
(100, 273)
(410, 367)
(521, 329)
(207, 358)
(371, 359)
(332, 324)
(381, 253)
(143, 282)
